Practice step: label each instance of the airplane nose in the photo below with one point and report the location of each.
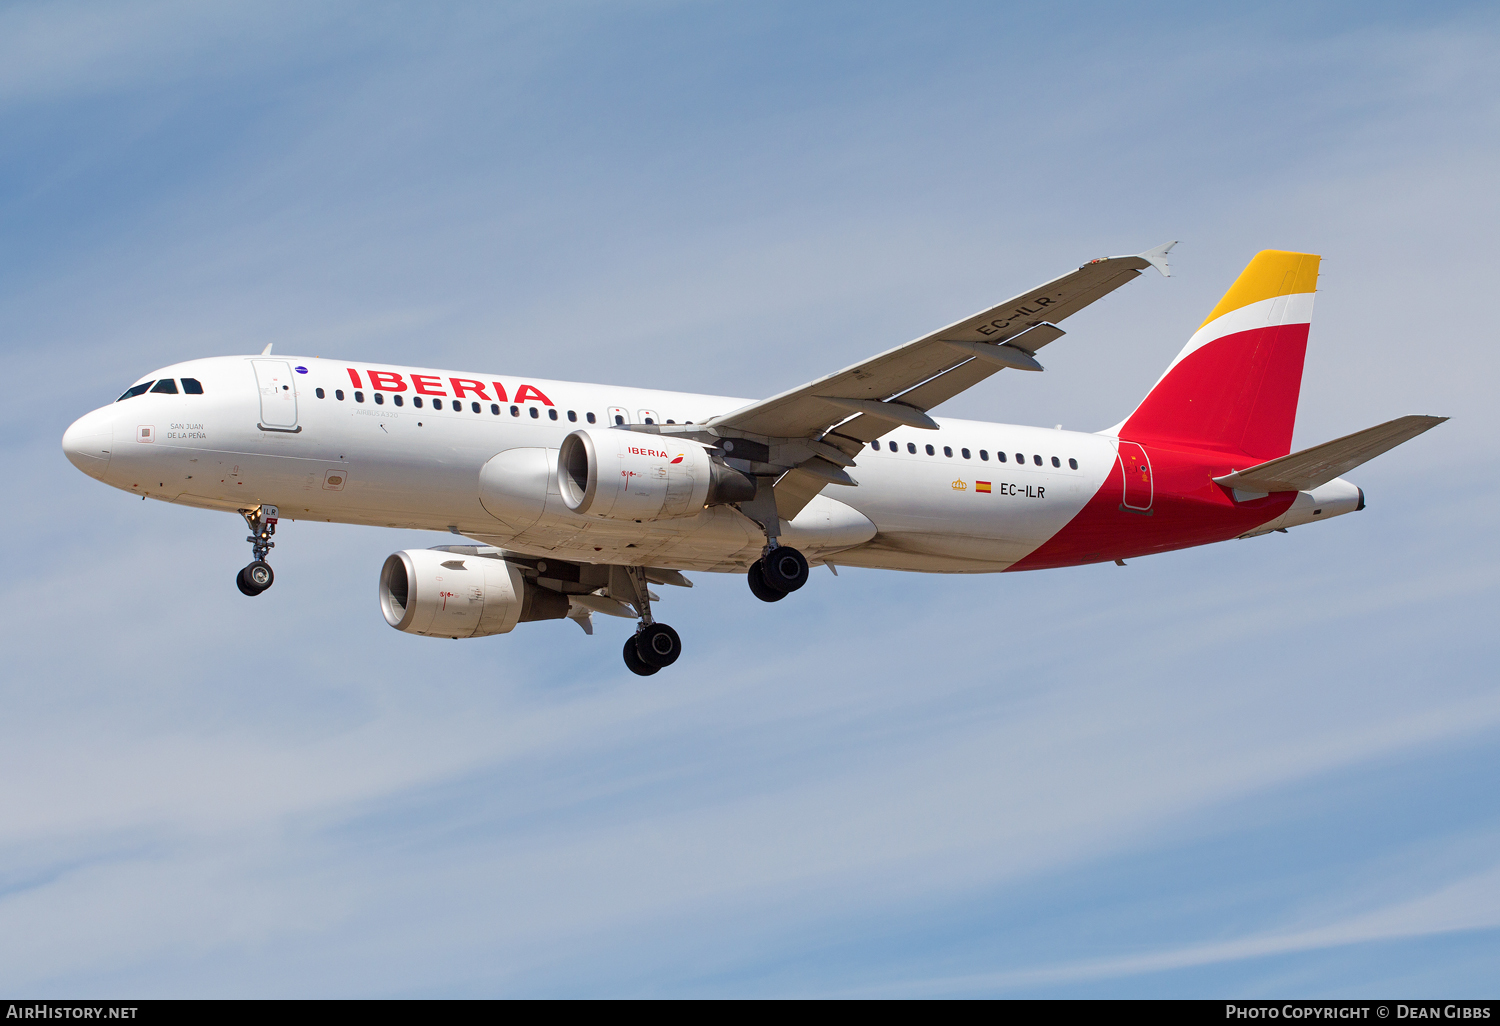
(88, 441)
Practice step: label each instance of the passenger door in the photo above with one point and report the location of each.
(1138, 486)
(278, 395)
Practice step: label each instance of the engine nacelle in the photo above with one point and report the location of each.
(442, 594)
(626, 475)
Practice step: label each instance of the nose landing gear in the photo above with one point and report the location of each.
(258, 576)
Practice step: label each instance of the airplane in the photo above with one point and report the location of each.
(574, 499)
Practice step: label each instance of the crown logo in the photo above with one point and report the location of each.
(960, 485)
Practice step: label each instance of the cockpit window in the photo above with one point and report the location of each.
(166, 386)
(135, 390)
(192, 386)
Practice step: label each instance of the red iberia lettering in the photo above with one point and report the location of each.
(386, 381)
(646, 452)
(354, 377)
(426, 384)
(526, 392)
(462, 385)
(499, 392)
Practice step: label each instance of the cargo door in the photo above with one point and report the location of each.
(278, 395)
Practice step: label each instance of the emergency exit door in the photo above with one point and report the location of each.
(278, 395)
(1137, 467)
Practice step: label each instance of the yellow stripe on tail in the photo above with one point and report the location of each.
(1272, 273)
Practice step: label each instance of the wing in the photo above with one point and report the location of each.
(898, 386)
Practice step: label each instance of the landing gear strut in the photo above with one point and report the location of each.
(258, 576)
(781, 569)
(654, 645)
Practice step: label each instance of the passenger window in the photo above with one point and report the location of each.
(964, 453)
(590, 417)
(1000, 456)
(984, 454)
(1073, 464)
(911, 447)
(948, 451)
(135, 390)
(551, 414)
(166, 386)
(534, 413)
(416, 401)
(320, 393)
(398, 400)
(474, 407)
(437, 404)
(1021, 458)
(669, 420)
(930, 450)
(619, 420)
(192, 386)
(515, 411)
(875, 445)
(338, 393)
(572, 416)
(359, 397)
(1037, 460)
(495, 409)
(1056, 462)
(379, 398)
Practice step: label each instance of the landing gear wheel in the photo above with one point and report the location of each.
(757, 580)
(784, 569)
(255, 578)
(634, 661)
(658, 645)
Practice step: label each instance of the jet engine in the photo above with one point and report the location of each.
(441, 594)
(626, 475)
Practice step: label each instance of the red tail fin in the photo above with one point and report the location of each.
(1234, 386)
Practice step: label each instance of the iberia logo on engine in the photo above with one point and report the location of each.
(648, 452)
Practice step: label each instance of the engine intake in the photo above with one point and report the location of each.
(441, 594)
(624, 475)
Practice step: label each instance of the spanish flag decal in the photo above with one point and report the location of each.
(982, 486)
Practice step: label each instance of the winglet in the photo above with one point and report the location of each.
(267, 351)
(1157, 258)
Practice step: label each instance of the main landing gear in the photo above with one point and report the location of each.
(778, 573)
(781, 569)
(654, 645)
(258, 576)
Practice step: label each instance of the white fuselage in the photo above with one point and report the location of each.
(260, 433)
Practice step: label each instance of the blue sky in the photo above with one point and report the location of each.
(1260, 768)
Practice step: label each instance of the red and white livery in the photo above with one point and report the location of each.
(574, 499)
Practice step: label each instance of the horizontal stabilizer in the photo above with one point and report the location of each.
(1306, 470)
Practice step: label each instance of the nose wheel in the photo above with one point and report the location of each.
(258, 576)
(255, 578)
